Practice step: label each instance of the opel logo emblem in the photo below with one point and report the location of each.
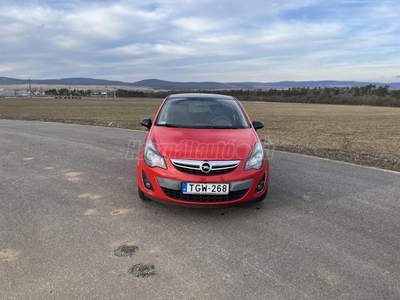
(205, 167)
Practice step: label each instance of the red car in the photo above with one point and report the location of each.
(202, 150)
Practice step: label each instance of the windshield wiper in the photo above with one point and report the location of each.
(198, 127)
(171, 125)
(219, 127)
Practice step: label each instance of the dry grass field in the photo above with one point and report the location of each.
(360, 134)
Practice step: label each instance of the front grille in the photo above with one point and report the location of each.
(198, 172)
(177, 194)
(195, 167)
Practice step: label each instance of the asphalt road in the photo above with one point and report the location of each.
(68, 200)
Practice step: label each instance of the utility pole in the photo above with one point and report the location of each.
(30, 89)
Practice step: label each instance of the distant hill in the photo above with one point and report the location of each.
(206, 85)
(308, 84)
(63, 81)
(173, 85)
(8, 81)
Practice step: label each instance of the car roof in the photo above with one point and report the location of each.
(201, 95)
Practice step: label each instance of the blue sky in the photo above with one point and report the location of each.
(191, 40)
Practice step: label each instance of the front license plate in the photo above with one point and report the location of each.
(205, 188)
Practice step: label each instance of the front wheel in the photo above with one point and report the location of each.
(262, 197)
(142, 195)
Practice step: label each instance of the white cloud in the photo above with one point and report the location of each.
(112, 22)
(201, 40)
(195, 24)
(128, 50)
(5, 68)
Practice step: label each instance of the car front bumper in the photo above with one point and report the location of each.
(166, 185)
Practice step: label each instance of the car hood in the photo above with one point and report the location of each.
(203, 144)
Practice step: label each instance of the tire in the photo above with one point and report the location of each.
(262, 197)
(142, 195)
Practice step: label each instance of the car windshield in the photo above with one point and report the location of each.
(202, 113)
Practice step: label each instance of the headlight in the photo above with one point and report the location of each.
(152, 157)
(256, 160)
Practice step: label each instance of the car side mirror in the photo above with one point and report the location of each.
(258, 125)
(146, 122)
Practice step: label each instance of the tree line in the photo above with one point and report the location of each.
(68, 92)
(364, 95)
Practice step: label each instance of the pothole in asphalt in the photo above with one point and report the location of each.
(91, 212)
(73, 176)
(9, 254)
(125, 250)
(119, 212)
(141, 270)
